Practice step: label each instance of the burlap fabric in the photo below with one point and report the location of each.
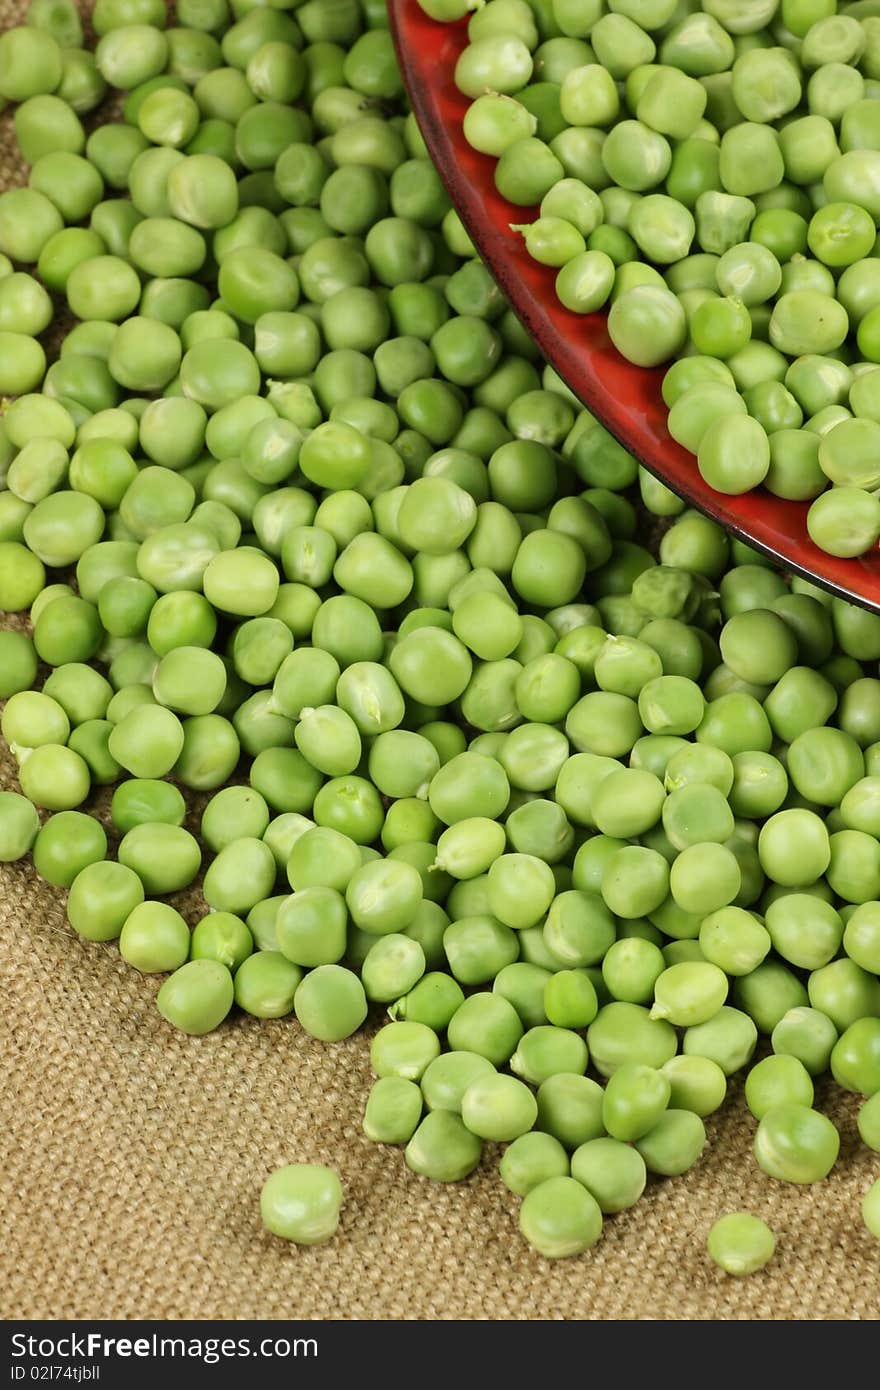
(131, 1160)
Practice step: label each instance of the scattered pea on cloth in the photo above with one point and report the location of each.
(741, 1243)
(298, 520)
(709, 179)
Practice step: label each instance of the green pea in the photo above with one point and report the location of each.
(532, 1159)
(486, 1024)
(674, 1144)
(223, 937)
(330, 1003)
(499, 1108)
(777, 1080)
(612, 1172)
(154, 938)
(570, 1108)
(301, 1202)
(869, 1123)
(696, 1083)
(432, 999)
(741, 1243)
(19, 825)
(196, 997)
(689, 993)
(165, 857)
(635, 1098)
(729, 1038)
(403, 1049)
(101, 898)
(66, 844)
(393, 1111)
(796, 1144)
(546, 1051)
(808, 1035)
(855, 1060)
(266, 984)
(442, 1148)
(560, 1218)
(625, 1033)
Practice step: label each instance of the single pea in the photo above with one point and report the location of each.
(855, 1060)
(860, 937)
(729, 1039)
(499, 1108)
(196, 997)
(101, 898)
(301, 1202)
(241, 875)
(869, 1123)
(432, 999)
(843, 991)
(261, 923)
(55, 778)
(704, 878)
(66, 844)
(19, 826)
(804, 930)
(560, 1218)
(734, 940)
(223, 937)
(266, 984)
(154, 938)
(631, 968)
(674, 1144)
(635, 1098)
(442, 1148)
(393, 1110)
(777, 1080)
(696, 1083)
(140, 801)
(532, 1159)
(546, 1051)
(570, 999)
(391, 967)
(486, 1024)
(612, 1172)
(148, 741)
(625, 1033)
(330, 1003)
(19, 663)
(448, 1076)
(165, 857)
(383, 896)
(232, 813)
(808, 1035)
(871, 1209)
(796, 1144)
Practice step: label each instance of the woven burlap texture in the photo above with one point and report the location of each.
(131, 1159)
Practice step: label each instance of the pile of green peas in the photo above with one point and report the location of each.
(300, 526)
(709, 173)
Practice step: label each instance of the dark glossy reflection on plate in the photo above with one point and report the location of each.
(625, 398)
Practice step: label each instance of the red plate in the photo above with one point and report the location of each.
(625, 398)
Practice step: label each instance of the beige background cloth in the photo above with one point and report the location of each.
(131, 1160)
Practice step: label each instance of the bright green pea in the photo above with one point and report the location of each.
(196, 997)
(796, 1144)
(741, 1243)
(777, 1080)
(696, 1083)
(154, 938)
(301, 1202)
(330, 1003)
(393, 1110)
